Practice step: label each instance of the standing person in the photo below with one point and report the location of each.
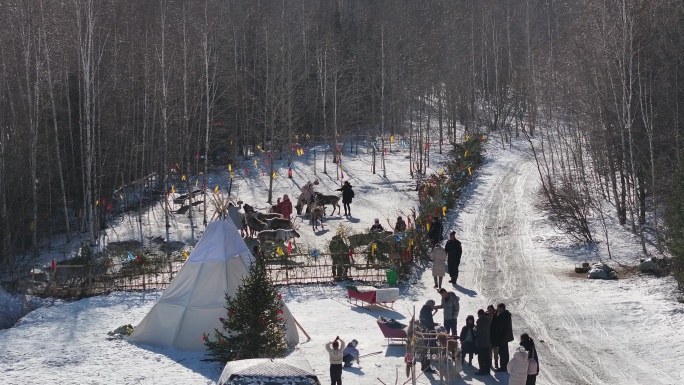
(237, 217)
(436, 229)
(426, 315)
(439, 259)
(276, 207)
(308, 192)
(517, 367)
(467, 338)
(527, 343)
(285, 207)
(347, 196)
(336, 360)
(454, 252)
(483, 344)
(451, 306)
(494, 335)
(505, 334)
(351, 354)
(339, 251)
(400, 226)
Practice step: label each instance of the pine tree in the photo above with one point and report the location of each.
(255, 324)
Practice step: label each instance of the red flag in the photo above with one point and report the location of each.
(409, 222)
(262, 172)
(53, 265)
(246, 171)
(289, 247)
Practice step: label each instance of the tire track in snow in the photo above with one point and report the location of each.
(503, 264)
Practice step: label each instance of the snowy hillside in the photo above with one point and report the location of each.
(587, 332)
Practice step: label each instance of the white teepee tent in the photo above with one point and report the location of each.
(195, 299)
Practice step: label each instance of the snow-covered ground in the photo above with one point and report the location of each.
(593, 332)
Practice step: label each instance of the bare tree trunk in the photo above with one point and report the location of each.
(85, 21)
(164, 118)
(58, 154)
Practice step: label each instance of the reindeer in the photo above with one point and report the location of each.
(279, 235)
(254, 224)
(259, 215)
(322, 200)
(279, 223)
(317, 214)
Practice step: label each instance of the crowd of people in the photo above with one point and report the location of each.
(487, 336)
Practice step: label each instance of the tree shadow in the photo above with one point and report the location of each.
(194, 361)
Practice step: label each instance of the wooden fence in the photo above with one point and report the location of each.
(77, 281)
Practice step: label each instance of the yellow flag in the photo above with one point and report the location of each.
(196, 182)
(183, 177)
(121, 196)
(307, 136)
(173, 189)
(444, 211)
(391, 138)
(427, 226)
(259, 146)
(467, 137)
(231, 175)
(279, 251)
(274, 175)
(255, 162)
(469, 171)
(216, 189)
(185, 254)
(373, 247)
(97, 203)
(465, 155)
(410, 244)
(441, 172)
(230, 167)
(201, 172)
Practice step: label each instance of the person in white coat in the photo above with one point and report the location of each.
(517, 367)
(439, 259)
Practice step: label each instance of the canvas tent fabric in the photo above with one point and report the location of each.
(195, 299)
(262, 371)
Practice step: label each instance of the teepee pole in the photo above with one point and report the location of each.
(301, 328)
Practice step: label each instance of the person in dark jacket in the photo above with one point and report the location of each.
(347, 195)
(454, 251)
(494, 334)
(426, 315)
(527, 343)
(400, 226)
(504, 331)
(483, 343)
(377, 227)
(467, 338)
(435, 232)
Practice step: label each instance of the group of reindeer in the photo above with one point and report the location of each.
(268, 227)
(316, 207)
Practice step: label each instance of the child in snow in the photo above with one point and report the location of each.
(336, 354)
(467, 338)
(350, 354)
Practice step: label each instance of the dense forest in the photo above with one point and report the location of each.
(97, 95)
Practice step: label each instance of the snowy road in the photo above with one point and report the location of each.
(593, 332)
